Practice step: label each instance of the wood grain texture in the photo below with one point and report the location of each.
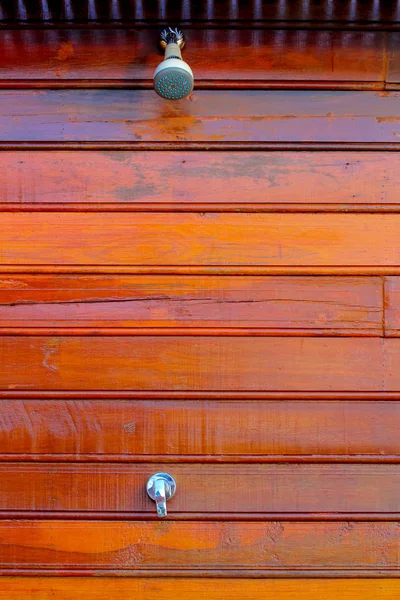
(205, 116)
(392, 306)
(323, 305)
(393, 57)
(199, 430)
(103, 588)
(253, 518)
(391, 366)
(253, 56)
(129, 180)
(202, 548)
(205, 363)
(199, 239)
(203, 491)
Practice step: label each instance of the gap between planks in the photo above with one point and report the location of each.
(370, 459)
(199, 270)
(197, 395)
(72, 515)
(203, 208)
(187, 332)
(127, 145)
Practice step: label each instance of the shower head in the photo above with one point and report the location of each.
(173, 78)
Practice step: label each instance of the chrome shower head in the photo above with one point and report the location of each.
(173, 78)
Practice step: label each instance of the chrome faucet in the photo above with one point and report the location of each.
(160, 488)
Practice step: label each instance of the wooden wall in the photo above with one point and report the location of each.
(210, 288)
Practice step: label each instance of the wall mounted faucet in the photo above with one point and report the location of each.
(160, 488)
(173, 78)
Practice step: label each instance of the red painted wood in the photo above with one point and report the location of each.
(392, 306)
(323, 305)
(200, 430)
(210, 389)
(205, 116)
(204, 491)
(126, 57)
(180, 363)
(128, 180)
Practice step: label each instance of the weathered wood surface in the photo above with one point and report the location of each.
(204, 491)
(128, 57)
(392, 306)
(199, 239)
(203, 363)
(330, 306)
(103, 588)
(199, 430)
(130, 180)
(206, 116)
(139, 547)
(270, 506)
(393, 66)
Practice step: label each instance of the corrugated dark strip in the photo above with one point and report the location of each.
(368, 11)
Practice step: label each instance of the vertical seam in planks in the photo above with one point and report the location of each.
(384, 359)
(384, 306)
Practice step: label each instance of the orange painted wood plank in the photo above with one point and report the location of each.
(392, 306)
(199, 547)
(203, 491)
(198, 430)
(199, 239)
(323, 305)
(194, 363)
(80, 588)
(211, 116)
(227, 55)
(131, 179)
(391, 365)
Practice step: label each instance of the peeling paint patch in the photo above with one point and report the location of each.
(65, 51)
(49, 350)
(129, 427)
(387, 119)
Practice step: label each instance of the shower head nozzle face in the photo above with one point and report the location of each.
(173, 79)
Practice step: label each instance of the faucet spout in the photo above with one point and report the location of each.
(160, 488)
(160, 497)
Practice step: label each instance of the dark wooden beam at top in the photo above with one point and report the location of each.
(358, 13)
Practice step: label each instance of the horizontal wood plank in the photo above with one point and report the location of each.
(323, 305)
(140, 547)
(248, 55)
(103, 588)
(207, 116)
(129, 180)
(180, 239)
(199, 430)
(203, 491)
(202, 363)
